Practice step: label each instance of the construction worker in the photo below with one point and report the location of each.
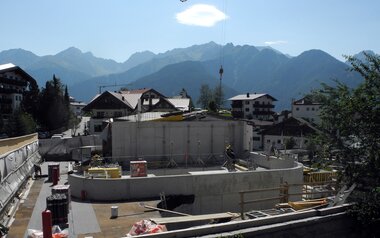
(231, 156)
(37, 170)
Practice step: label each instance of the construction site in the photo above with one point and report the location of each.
(165, 179)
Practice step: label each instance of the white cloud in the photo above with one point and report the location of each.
(277, 42)
(201, 15)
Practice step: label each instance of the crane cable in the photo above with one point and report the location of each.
(221, 53)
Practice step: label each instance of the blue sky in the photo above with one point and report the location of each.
(118, 28)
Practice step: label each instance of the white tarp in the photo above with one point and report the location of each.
(15, 167)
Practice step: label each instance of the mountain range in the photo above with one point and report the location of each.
(246, 69)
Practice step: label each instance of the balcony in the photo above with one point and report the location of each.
(262, 113)
(4, 111)
(5, 101)
(263, 106)
(13, 82)
(10, 91)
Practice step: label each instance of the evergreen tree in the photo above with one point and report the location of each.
(30, 102)
(54, 105)
(184, 94)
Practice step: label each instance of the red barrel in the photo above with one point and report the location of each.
(46, 224)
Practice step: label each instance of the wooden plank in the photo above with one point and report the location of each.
(171, 220)
(164, 210)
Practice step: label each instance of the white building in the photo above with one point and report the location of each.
(253, 106)
(13, 83)
(76, 107)
(306, 109)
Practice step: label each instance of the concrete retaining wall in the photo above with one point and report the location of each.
(59, 147)
(272, 162)
(326, 222)
(178, 140)
(214, 192)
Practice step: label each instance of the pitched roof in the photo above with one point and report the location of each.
(133, 96)
(12, 67)
(180, 103)
(291, 127)
(306, 101)
(99, 97)
(251, 96)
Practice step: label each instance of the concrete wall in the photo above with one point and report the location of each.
(10, 144)
(178, 140)
(59, 147)
(325, 222)
(272, 162)
(214, 192)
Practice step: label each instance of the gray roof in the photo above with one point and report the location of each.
(250, 96)
(180, 103)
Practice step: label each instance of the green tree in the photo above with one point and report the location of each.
(218, 96)
(351, 126)
(54, 106)
(19, 124)
(205, 96)
(30, 101)
(184, 94)
(212, 106)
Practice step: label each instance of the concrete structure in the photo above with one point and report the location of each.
(253, 106)
(315, 223)
(214, 191)
(17, 156)
(307, 109)
(13, 83)
(179, 141)
(61, 149)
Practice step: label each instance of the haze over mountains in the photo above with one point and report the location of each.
(246, 69)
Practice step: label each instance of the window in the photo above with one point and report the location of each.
(278, 141)
(247, 109)
(307, 109)
(256, 102)
(312, 109)
(256, 138)
(297, 109)
(268, 141)
(246, 102)
(100, 114)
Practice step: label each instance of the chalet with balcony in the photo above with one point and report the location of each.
(124, 103)
(253, 106)
(13, 83)
(296, 129)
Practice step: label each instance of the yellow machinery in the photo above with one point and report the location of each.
(100, 172)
